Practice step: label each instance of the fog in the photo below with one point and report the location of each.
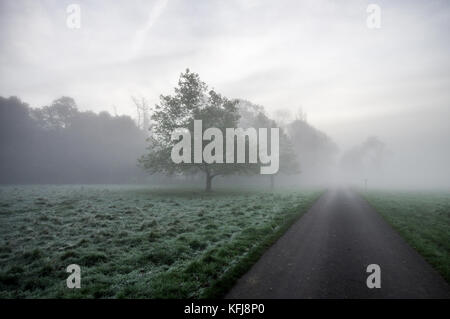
(368, 107)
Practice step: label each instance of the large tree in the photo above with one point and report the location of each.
(192, 100)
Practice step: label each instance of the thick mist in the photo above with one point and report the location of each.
(361, 106)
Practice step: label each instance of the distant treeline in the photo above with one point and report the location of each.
(61, 144)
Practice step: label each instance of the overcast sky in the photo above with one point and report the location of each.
(351, 80)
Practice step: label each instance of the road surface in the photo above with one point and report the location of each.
(326, 252)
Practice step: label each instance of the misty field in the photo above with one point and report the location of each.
(135, 241)
(423, 219)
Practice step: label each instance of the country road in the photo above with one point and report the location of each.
(326, 252)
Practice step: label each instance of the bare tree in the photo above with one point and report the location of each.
(143, 113)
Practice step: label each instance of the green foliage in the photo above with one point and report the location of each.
(191, 101)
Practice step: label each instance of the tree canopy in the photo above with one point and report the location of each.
(192, 100)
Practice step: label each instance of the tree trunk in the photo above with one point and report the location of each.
(209, 178)
(272, 182)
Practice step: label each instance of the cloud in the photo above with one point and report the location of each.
(281, 55)
(140, 35)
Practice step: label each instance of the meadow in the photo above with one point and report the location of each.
(422, 218)
(137, 241)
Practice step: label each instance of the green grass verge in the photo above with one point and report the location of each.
(136, 242)
(422, 219)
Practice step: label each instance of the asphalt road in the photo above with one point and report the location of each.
(326, 252)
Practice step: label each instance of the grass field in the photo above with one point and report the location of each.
(422, 218)
(135, 241)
